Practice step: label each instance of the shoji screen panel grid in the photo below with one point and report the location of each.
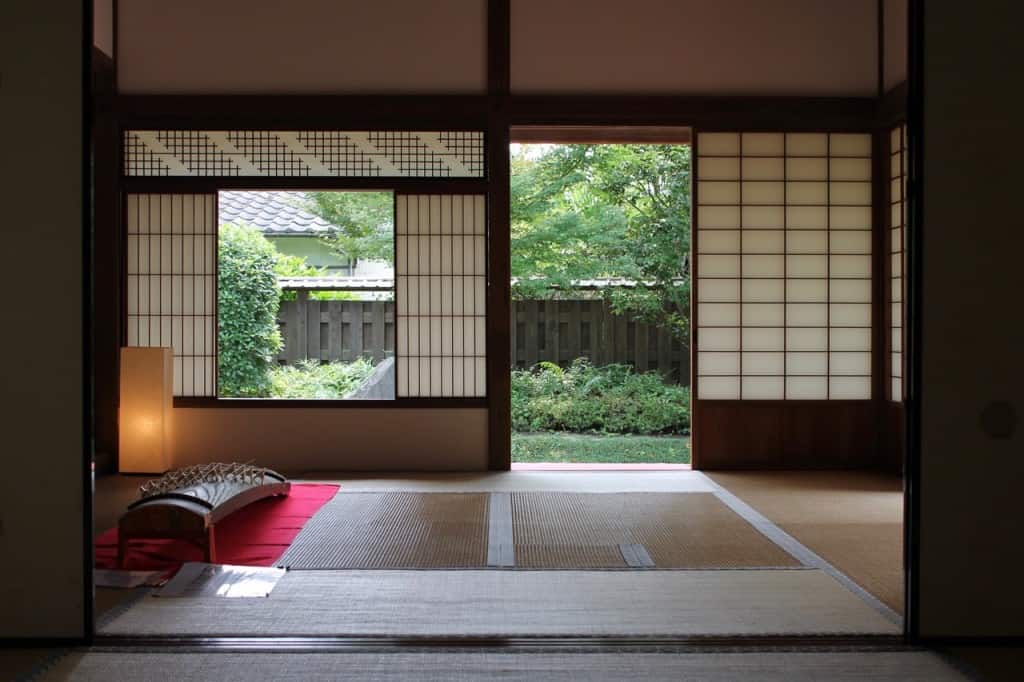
(304, 153)
(441, 269)
(171, 271)
(784, 266)
(897, 258)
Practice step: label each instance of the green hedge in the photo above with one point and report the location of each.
(609, 399)
(247, 298)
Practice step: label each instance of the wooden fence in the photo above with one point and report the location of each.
(553, 331)
(560, 331)
(332, 331)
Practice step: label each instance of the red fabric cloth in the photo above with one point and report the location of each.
(256, 535)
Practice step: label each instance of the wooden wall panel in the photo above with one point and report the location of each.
(45, 384)
(895, 46)
(832, 435)
(737, 435)
(733, 434)
(302, 46)
(330, 439)
(799, 47)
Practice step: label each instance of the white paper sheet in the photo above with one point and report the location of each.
(196, 579)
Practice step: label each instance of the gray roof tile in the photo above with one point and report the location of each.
(273, 213)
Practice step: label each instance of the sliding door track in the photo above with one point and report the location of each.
(519, 644)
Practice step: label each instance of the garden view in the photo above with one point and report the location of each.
(603, 229)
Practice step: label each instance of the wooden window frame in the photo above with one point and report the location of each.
(212, 185)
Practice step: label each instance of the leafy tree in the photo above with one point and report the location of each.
(364, 223)
(248, 298)
(605, 211)
(288, 265)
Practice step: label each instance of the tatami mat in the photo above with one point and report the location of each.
(879, 666)
(487, 603)
(394, 530)
(853, 520)
(519, 481)
(677, 530)
(548, 530)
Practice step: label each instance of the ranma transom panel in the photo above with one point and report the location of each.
(308, 153)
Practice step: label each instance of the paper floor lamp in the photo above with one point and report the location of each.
(147, 401)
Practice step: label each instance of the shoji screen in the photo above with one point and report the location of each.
(897, 249)
(441, 266)
(171, 270)
(783, 266)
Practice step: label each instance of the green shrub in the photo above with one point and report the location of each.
(248, 298)
(289, 265)
(312, 380)
(609, 399)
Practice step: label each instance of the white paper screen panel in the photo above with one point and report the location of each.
(171, 271)
(441, 271)
(897, 258)
(784, 266)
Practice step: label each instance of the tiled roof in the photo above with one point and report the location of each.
(272, 213)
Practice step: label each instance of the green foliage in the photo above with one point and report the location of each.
(289, 265)
(609, 399)
(604, 211)
(247, 298)
(312, 380)
(364, 223)
(614, 449)
(332, 296)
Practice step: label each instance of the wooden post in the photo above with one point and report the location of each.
(553, 315)
(573, 331)
(642, 329)
(312, 330)
(355, 328)
(389, 328)
(334, 323)
(298, 350)
(664, 351)
(211, 545)
(530, 332)
(603, 348)
(621, 341)
(377, 330)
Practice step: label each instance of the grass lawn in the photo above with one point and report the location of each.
(613, 449)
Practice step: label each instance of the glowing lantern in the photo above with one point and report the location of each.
(147, 401)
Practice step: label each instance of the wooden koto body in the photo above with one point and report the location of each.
(192, 512)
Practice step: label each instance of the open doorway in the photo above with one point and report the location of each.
(600, 262)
